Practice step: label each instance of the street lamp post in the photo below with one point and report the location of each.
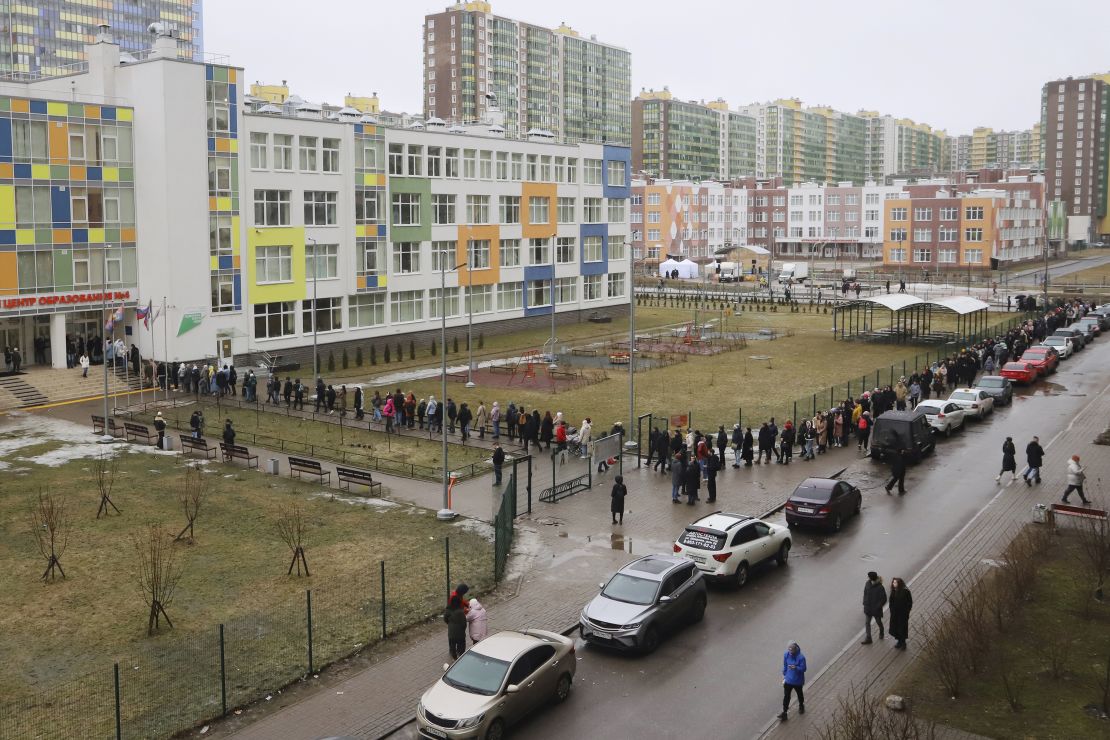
(469, 318)
(106, 438)
(315, 314)
(554, 365)
(631, 337)
(445, 513)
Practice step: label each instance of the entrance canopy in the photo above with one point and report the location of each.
(898, 317)
(686, 268)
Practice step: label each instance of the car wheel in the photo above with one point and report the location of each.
(790, 523)
(496, 730)
(948, 431)
(836, 523)
(741, 576)
(562, 688)
(784, 553)
(650, 641)
(697, 610)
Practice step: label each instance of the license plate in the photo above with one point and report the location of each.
(696, 558)
(434, 732)
(805, 510)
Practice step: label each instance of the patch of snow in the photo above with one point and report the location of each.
(477, 526)
(22, 430)
(378, 503)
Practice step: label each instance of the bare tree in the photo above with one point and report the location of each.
(104, 474)
(1094, 546)
(862, 716)
(159, 572)
(50, 527)
(1102, 683)
(291, 527)
(194, 491)
(1054, 647)
(942, 657)
(970, 619)
(999, 599)
(1011, 677)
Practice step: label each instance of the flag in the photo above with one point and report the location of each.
(144, 314)
(113, 319)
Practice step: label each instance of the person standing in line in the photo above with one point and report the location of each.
(495, 419)
(793, 678)
(617, 495)
(691, 481)
(359, 413)
(678, 475)
(480, 419)
(584, 437)
(160, 427)
(455, 617)
(712, 465)
(298, 395)
(477, 619)
(463, 417)
(388, 415)
(874, 599)
(229, 433)
(84, 362)
(737, 445)
(864, 428)
(1009, 461)
(1076, 476)
(901, 601)
(786, 446)
(498, 461)
(560, 441)
(748, 450)
(722, 443)
(897, 472)
(1034, 458)
(662, 452)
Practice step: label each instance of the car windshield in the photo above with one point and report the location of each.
(630, 590)
(992, 383)
(1055, 341)
(930, 410)
(1035, 353)
(477, 674)
(962, 397)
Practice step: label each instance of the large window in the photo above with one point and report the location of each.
(485, 165)
(443, 255)
(973, 213)
(321, 261)
(478, 299)
(275, 319)
(510, 296)
(946, 256)
(219, 106)
(922, 255)
(307, 148)
(973, 256)
(539, 293)
(371, 257)
(973, 235)
(502, 165)
(949, 234)
(897, 214)
(477, 209)
(617, 177)
(396, 159)
(443, 209)
(320, 208)
(223, 293)
(436, 303)
(592, 249)
(451, 163)
(328, 315)
(564, 250)
(898, 254)
(616, 211)
(470, 164)
(898, 235)
(922, 235)
(616, 284)
(509, 206)
(566, 289)
(591, 287)
(591, 210)
(271, 207)
(32, 205)
(565, 210)
(367, 309)
(259, 145)
(29, 139)
(539, 252)
(591, 171)
(368, 204)
(273, 265)
(415, 160)
(479, 254)
(219, 176)
(616, 247)
(329, 154)
(949, 213)
(435, 164)
(406, 258)
(509, 251)
(539, 210)
(406, 209)
(368, 154)
(219, 235)
(406, 305)
(922, 214)
(283, 151)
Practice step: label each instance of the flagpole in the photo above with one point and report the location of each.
(166, 345)
(107, 436)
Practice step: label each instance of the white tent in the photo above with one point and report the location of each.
(686, 268)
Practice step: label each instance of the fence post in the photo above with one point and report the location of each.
(814, 405)
(119, 718)
(223, 674)
(447, 563)
(794, 420)
(383, 599)
(308, 595)
(832, 395)
(877, 381)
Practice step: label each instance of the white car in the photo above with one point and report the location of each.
(1063, 346)
(943, 416)
(975, 402)
(727, 546)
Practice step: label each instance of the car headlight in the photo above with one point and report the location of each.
(633, 626)
(465, 724)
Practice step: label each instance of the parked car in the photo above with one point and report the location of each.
(644, 599)
(726, 547)
(998, 387)
(1078, 338)
(1101, 316)
(974, 402)
(1021, 373)
(496, 683)
(823, 501)
(1064, 346)
(902, 430)
(943, 416)
(1091, 326)
(1042, 357)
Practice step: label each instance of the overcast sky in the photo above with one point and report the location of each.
(953, 64)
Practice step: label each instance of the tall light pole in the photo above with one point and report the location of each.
(315, 315)
(554, 365)
(469, 315)
(106, 438)
(445, 513)
(631, 337)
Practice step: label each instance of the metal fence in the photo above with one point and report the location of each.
(177, 680)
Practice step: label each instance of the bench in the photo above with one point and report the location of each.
(304, 465)
(1079, 512)
(197, 443)
(137, 431)
(584, 352)
(114, 429)
(354, 475)
(564, 374)
(458, 377)
(232, 452)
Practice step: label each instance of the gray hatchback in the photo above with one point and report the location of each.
(644, 599)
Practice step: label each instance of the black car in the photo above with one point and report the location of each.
(902, 430)
(998, 388)
(824, 502)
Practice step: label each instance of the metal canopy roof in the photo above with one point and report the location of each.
(960, 304)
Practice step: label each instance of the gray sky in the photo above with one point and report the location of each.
(954, 64)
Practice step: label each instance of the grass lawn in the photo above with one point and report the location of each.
(1052, 708)
(1091, 276)
(234, 574)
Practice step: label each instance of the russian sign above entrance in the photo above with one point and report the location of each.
(63, 299)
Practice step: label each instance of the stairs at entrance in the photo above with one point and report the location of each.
(37, 386)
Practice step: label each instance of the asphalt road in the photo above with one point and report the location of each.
(723, 676)
(1061, 269)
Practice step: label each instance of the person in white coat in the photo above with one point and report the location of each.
(1076, 476)
(584, 437)
(84, 362)
(477, 620)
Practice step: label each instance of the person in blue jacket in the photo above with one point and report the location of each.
(793, 678)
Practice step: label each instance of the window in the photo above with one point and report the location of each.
(330, 155)
(871, 215)
(833, 200)
(477, 209)
(564, 250)
(898, 255)
(447, 303)
(509, 296)
(616, 284)
(397, 159)
(219, 235)
(539, 293)
(365, 310)
(949, 234)
(795, 200)
(592, 249)
(616, 173)
(949, 213)
(538, 252)
(973, 235)
(591, 287)
(922, 235)
(539, 209)
(81, 273)
(871, 199)
(326, 259)
(273, 265)
(897, 235)
(510, 252)
(29, 139)
(307, 149)
(591, 171)
(922, 214)
(922, 255)
(406, 258)
(946, 256)
(406, 209)
(566, 289)
(219, 176)
(451, 163)
(517, 166)
(830, 216)
(479, 254)
(591, 210)
(973, 213)
(443, 255)
(485, 165)
(319, 208)
(275, 319)
(415, 160)
(259, 146)
(572, 169)
(616, 247)
(470, 164)
(435, 166)
(271, 207)
(283, 152)
(565, 210)
(653, 199)
(502, 165)
(326, 312)
(509, 206)
(851, 199)
(653, 235)
(973, 256)
(406, 305)
(897, 214)
(478, 299)
(871, 232)
(367, 206)
(219, 108)
(79, 205)
(368, 155)
(223, 293)
(443, 209)
(371, 257)
(616, 211)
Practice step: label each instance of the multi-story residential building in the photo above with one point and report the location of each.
(541, 78)
(695, 220)
(1008, 149)
(841, 222)
(1075, 121)
(680, 140)
(899, 146)
(49, 36)
(262, 228)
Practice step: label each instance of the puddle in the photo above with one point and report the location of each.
(616, 541)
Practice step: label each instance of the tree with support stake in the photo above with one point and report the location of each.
(104, 473)
(159, 573)
(50, 526)
(291, 527)
(194, 490)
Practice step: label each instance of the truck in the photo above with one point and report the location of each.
(794, 272)
(729, 272)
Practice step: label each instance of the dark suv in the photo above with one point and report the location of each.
(902, 430)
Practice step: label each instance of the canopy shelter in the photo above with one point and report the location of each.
(686, 268)
(899, 317)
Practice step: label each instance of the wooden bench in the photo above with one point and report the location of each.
(197, 443)
(1079, 512)
(114, 429)
(354, 475)
(137, 431)
(458, 377)
(233, 452)
(584, 352)
(304, 465)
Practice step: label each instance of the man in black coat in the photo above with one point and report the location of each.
(662, 451)
(766, 442)
(874, 599)
(897, 472)
(1034, 458)
(722, 443)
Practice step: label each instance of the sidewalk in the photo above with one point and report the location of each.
(876, 668)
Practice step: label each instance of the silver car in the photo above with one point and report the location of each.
(643, 600)
(497, 682)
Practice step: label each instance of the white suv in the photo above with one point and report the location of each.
(727, 546)
(973, 401)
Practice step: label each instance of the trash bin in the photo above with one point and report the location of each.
(167, 443)
(272, 466)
